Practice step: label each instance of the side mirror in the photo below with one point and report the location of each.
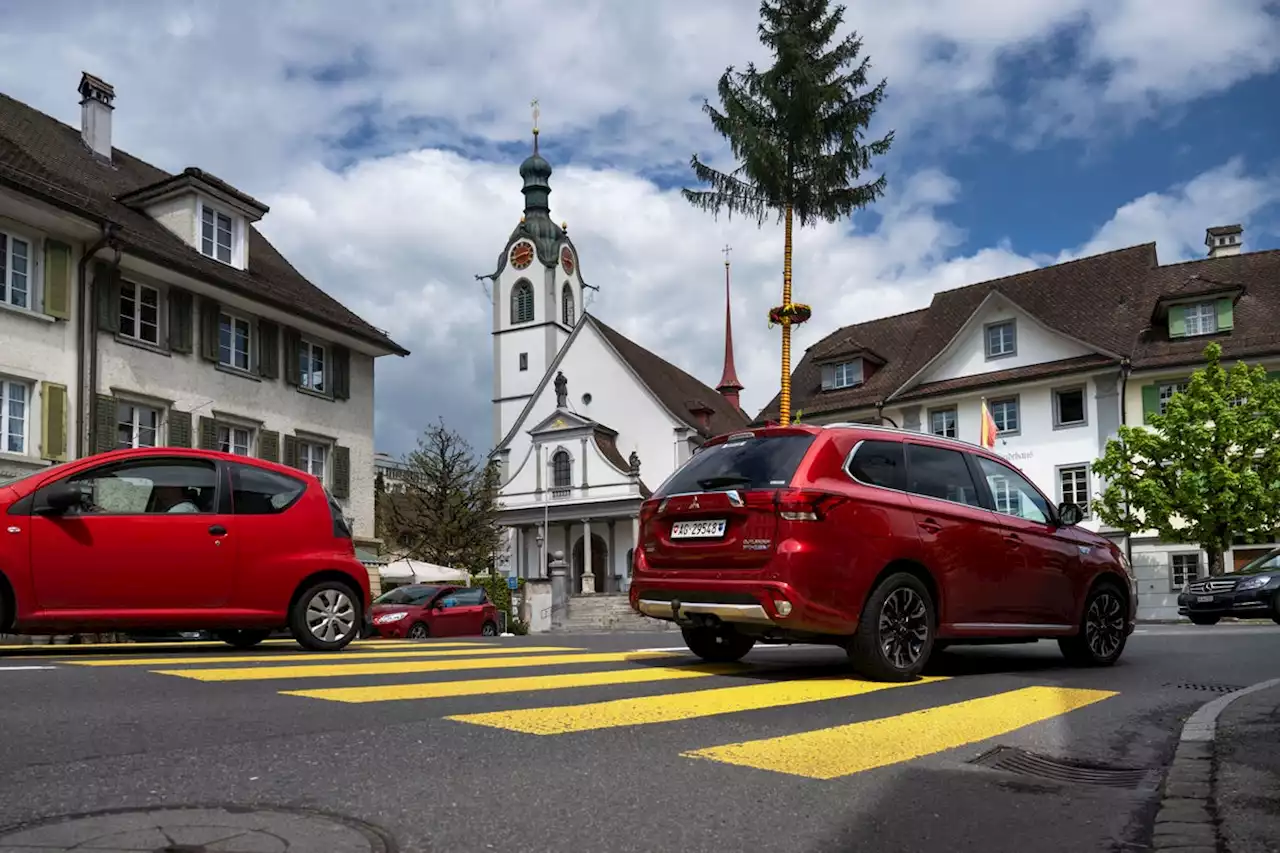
(60, 497)
(1070, 514)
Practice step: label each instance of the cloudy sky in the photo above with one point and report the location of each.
(385, 136)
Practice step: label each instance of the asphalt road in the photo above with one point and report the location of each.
(590, 743)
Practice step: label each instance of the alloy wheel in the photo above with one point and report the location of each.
(1104, 625)
(330, 615)
(489, 630)
(418, 632)
(904, 627)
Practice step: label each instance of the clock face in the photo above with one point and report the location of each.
(521, 255)
(566, 259)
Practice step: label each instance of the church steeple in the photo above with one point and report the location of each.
(729, 386)
(536, 172)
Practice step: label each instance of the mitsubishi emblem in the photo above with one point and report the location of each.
(694, 503)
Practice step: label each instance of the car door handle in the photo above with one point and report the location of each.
(217, 530)
(1013, 539)
(928, 525)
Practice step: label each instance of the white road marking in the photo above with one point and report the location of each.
(21, 668)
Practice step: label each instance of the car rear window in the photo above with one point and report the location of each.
(765, 462)
(257, 491)
(880, 463)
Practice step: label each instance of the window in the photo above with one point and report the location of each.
(14, 417)
(740, 463)
(848, 374)
(522, 302)
(1073, 484)
(140, 312)
(1069, 407)
(880, 463)
(414, 596)
(311, 361)
(1002, 339)
(235, 335)
(1005, 414)
(524, 361)
(15, 270)
(1183, 568)
(1012, 494)
(312, 457)
(137, 426)
(150, 486)
(561, 473)
(566, 304)
(469, 597)
(234, 439)
(257, 491)
(215, 234)
(943, 422)
(936, 472)
(1167, 390)
(1202, 318)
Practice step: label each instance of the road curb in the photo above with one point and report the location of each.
(1188, 816)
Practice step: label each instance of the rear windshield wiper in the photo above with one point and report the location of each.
(721, 482)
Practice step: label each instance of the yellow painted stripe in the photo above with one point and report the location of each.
(267, 673)
(679, 706)
(845, 750)
(436, 650)
(519, 684)
(50, 648)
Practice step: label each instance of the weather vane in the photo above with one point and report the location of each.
(727, 249)
(536, 113)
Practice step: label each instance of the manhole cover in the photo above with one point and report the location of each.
(1014, 760)
(1206, 686)
(201, 829)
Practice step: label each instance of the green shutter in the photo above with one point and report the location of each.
(209, 330)
(1226, 314)
(208, 434)
(180, 320)
(106, 287)
(269, 445)
(292, 365)
(1177, 321)
(57, 280)
(179, 428)
(341, 485)
(1150, 402)
(341, 373)
(268, 350)
(290, 451)
(53, 421)
(104, 423)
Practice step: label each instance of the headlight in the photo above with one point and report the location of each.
(1255, 582)
(387, 618)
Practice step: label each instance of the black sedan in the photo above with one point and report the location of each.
(1251, 593)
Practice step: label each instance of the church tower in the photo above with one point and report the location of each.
(537, 296)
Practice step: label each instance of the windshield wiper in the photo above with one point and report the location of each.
(721, 482)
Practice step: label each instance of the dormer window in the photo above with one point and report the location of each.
(843, 374)
(1202, 319)
(216, 234)
(1206, 317)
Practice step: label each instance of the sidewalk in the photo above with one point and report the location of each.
(1247, 784)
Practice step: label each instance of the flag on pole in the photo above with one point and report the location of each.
(988, 426)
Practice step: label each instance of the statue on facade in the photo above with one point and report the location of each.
(562, 390)
(634, 461)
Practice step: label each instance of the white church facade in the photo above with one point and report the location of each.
(585, 421)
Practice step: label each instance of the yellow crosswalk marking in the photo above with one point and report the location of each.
(32, 648)
(519, 684)
(435, 650)
(679, 706)
(844, 750)
(267, 673)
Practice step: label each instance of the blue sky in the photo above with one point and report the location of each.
(386, 137)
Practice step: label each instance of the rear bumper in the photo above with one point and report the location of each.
(752, 604)
(725, 612)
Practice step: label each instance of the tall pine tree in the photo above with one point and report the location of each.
(798, 130)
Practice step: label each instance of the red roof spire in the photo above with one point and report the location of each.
(729, 385)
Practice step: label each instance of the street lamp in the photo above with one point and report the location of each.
(541, 540)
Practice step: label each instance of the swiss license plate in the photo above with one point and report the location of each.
(1204, 599)
(698, 529)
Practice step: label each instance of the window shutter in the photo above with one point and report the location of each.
(53, 420)
(179, 428)
(828, 377)
(57, 281)
(290, 451)
(341, 373)
(1150, 402)
(106, 286)
(341, 484)
(209, 330)
(1177, 321)
(1226, 315)
(269, 445)
(268, 349)
(208, 434)
(292, 366)
(180, 321)
(104, 423)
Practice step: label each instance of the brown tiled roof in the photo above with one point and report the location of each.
(1046, 370)
(45, 158)
(678, 391)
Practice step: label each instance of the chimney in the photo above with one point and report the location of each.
(702, 413)
(96, 96)
(1224, 241)
(729, 386)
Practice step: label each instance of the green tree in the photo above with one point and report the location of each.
(448, 511)
(798, 129)
(1208, 470)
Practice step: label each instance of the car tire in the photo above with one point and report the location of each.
(1275, 608)
(325, 617)
(418, 631)
(1102, 636)
(902, 605)
(489, 629)
(243, 638)
(717, 645)
(1204, 620)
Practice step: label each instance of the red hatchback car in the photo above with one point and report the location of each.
(419, 611)
(176, 539)
(887, 542)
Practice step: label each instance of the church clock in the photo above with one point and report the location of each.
(521, 255)
(566, 259)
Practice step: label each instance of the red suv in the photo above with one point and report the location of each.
(887, 542)
(174, 539)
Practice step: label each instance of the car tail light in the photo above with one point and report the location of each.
(781, 605)
(804, 505)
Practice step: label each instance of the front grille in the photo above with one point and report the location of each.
(1215, 585)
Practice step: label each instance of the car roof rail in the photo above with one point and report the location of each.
(967, 445)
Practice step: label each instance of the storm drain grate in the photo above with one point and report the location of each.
(1206, 686)
(1014, 760)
